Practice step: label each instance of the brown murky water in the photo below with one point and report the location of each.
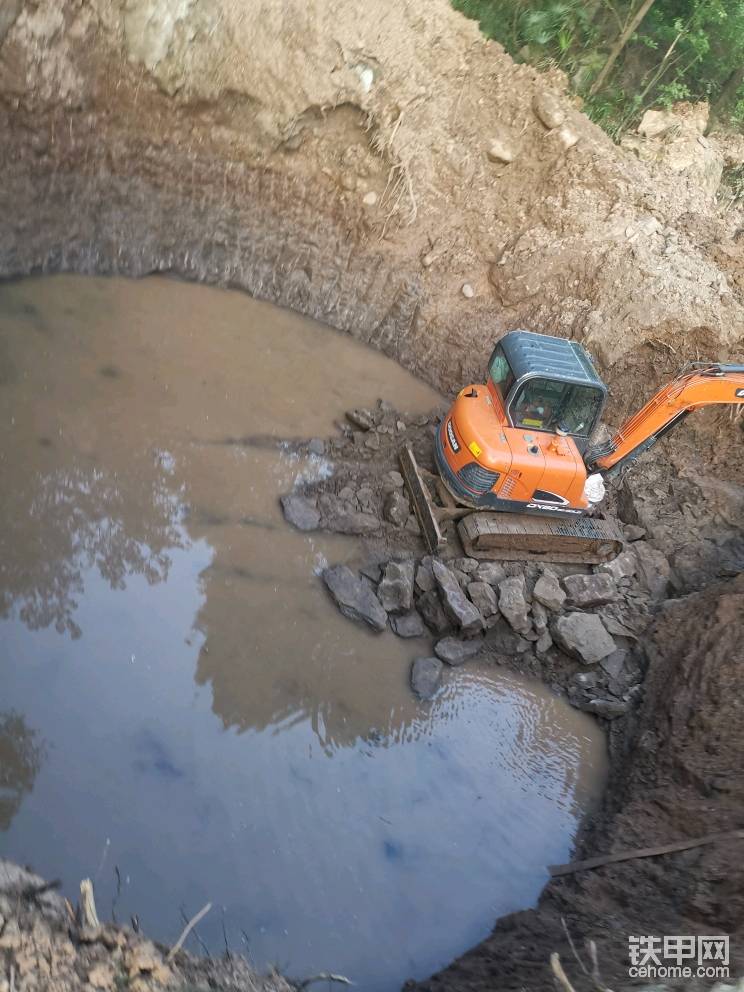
(183, 709)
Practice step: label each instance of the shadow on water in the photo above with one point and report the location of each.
(216, 729)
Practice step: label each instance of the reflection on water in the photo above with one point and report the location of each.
(216, 729)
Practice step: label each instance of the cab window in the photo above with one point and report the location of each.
(500, 372)
(547, 405)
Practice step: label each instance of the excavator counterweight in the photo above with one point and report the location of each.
(517, 472)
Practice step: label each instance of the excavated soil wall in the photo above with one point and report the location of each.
(398, 177)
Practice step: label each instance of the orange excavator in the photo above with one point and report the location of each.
(519, 470)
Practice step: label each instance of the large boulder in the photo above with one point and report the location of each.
(622, 567)
(548, 591)
(590, 590)
(455, 651)
(426, 674)
(395, 590)
(456, 604)
(513, 603)
(300, 511)
(584, 636)
(653, 570)
(355, 597)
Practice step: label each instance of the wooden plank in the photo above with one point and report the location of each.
(421, 500)
(642, 852)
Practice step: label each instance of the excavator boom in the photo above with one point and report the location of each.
(695, 386)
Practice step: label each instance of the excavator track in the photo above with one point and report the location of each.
(505, 536)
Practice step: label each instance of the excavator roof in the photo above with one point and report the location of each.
(531, 355)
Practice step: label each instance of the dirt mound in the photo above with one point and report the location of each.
(681, 780)
(210, 140)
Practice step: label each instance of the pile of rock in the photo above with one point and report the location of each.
(580, 627)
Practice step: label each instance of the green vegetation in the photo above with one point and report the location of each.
(624, 56)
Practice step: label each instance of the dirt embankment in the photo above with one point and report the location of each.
(363, 163)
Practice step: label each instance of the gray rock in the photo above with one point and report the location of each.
(622, 567)
(455, 651)
(610, 709)
(367, 500)
(426, 674)
(483, 598)
(614, 663)
(348, 495)
(425, 580)
(653, 570)
(395, 590)
(393, 479)
(513, 603)
(338, 515)
(372, 571)
(491, 572)
(431, 609)
(590, 590)
(456, 604)
(544, 642)
(355, 597)
(363, 419)
(466, 565)
(462, 577)
(300, 511)
(633, 532)
(548, 591)
(504, 641)
(316, 446)
(408, 624)
(584, 636)
(539, 616)
(372, 441)
(412, 525)
(397, 508)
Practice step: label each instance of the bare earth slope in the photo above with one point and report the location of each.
(347, 159)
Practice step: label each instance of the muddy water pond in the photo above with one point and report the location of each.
(185, 717)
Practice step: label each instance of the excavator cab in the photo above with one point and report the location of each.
(547, 384)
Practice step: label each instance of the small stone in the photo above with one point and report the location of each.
(567, 137)
(300, 511)
(501, 149)
(338, 518)
(590, 590)
(467, 565)
(397, 508)
(548, 591)
(367, 500)
(101, 976)
(370, 199)
(513, 603)
(428, 259)
(363, 419)
(355, 597)
(548, 109)
(408, 624)
(491, 572)
(412, 525)
(316, 446)
(539, 616)
(395, 590)
(584, 636)
(622, 567)
(431, 609)
(393, 479)
(372, 441)
(467, 291)
(456, 604)
(347, 494)
(454, 651)
(483, 598)
(426, 674)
